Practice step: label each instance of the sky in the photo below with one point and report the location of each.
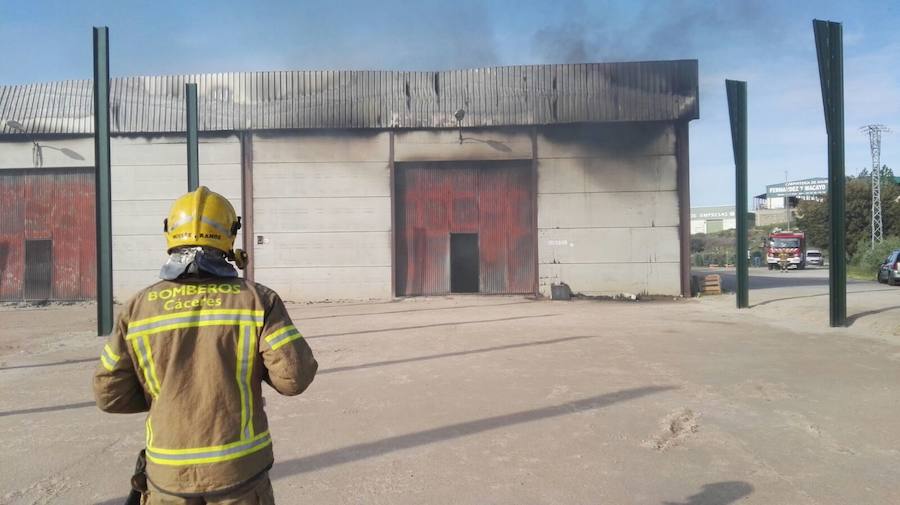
(769, 44)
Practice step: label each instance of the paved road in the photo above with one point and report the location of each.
(800, 298)
(763, 278)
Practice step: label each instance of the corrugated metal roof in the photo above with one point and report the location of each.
(497, 96)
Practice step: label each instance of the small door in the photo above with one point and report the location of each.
(38, 269)
(463, 262)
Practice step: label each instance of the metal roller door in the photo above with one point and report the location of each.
(47, 246)
(494, 201)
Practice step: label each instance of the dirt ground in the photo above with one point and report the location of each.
(507, 400)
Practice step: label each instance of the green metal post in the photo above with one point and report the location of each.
(193, 156)
(737, 111)
(102, 182)
(830, 52)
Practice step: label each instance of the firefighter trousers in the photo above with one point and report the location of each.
(259, 493)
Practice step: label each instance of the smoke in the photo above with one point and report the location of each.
(668, 30)
(568, 42)
(399, 35)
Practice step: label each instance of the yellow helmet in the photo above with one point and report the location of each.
(202, 218)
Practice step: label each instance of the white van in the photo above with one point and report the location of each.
(814, 257)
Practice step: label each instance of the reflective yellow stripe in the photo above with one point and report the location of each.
(149, 433)
(152, 365)
(283, 336)
(140, 350)
(108, 358)
(251, 353)
(110, 353)
(239, 373)
(109, 366)
(214, 454)
(213, 448)
(286, 340)
(275, 334)
(194, 319)
(189, 313)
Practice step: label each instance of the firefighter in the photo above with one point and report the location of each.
(193, 351)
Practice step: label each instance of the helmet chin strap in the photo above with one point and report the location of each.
(239, 257)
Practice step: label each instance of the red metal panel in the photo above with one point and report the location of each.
(493, 199)
(12, 244)
(520, 230)
(437, 191)
(423, 225)
(492, 244)
(65, 237)
(463, 200)
(48, 204)
(87, 233)
(38, 206)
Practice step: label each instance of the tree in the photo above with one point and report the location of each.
(858, 212)
(813, 217)
(698, 242)
(890, 204)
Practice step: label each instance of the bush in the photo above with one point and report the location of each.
(867, 260)
(713, 258)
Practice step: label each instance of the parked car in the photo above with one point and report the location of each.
(814, 257)
(889, 271)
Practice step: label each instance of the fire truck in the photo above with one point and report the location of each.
(788, 247)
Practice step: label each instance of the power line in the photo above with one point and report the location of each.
(874, 132)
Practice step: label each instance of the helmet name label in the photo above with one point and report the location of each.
(196, 236)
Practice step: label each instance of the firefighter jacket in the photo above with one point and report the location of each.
(194, 352)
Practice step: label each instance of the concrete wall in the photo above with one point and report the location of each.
(148, 173)
(19, 154)
(608, 209)
(477, 144)
(607, 202)
(322, 208)
(769, 217)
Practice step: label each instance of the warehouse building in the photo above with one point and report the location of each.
(367, 184)
(713, 219)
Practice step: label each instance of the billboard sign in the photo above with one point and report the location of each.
(806, 188)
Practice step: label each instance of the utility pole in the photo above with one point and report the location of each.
(830, 52)
(193, 157)
(737, 113)
(874, 132)
(102, 182)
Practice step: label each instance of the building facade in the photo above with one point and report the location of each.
(713, 219)
(777, 205)
(367, 185)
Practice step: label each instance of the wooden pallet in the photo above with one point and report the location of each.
(711, 285)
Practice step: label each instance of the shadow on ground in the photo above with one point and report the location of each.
(114, 501)
(51, 408)
(449, 354)
(717, 493)
(424, 309)
(56, 363)
(368, 450)
(853, 318)
(422, 326)
(817, 295)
